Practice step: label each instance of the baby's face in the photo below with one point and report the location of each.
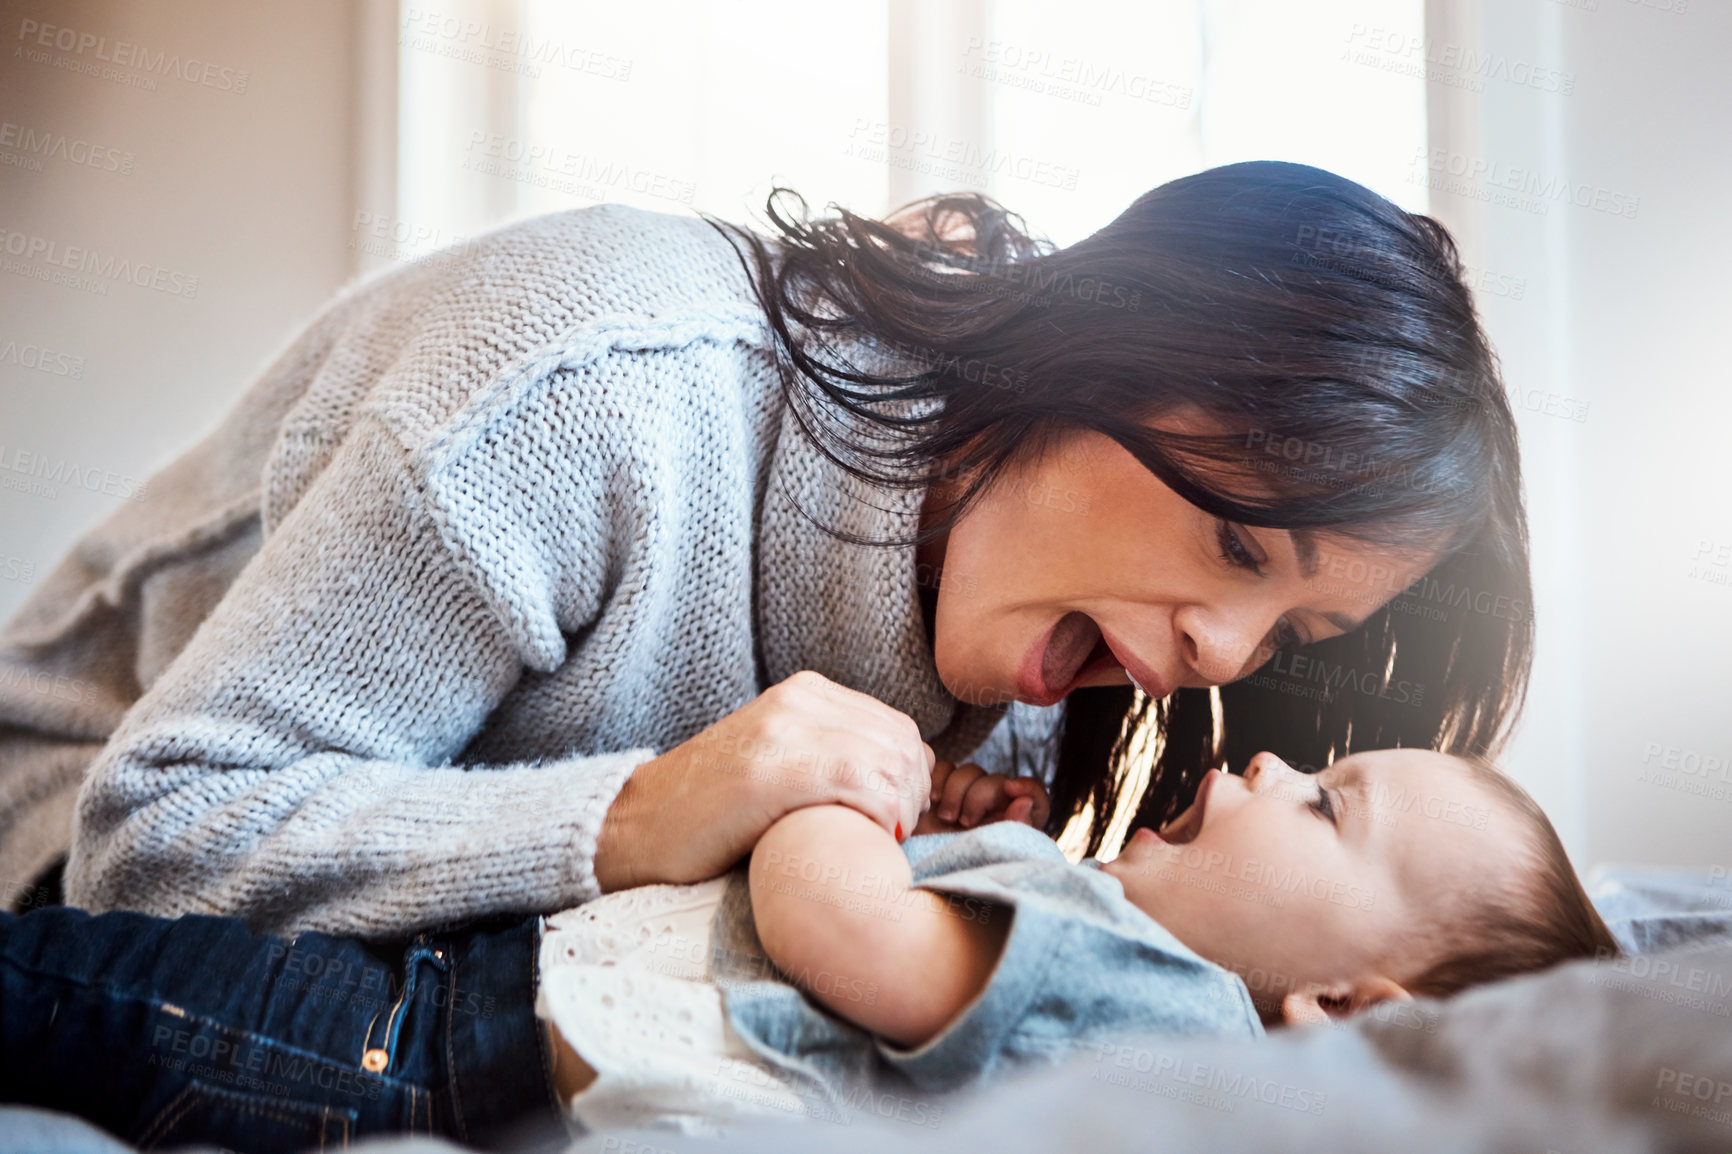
(1300, 881)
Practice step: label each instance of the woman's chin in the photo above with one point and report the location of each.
(975, 691)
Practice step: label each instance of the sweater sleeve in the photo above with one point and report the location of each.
(293, 766)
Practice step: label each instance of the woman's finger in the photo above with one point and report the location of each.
(878, 800)
(940, 773)
(868, 715)
(886, 747)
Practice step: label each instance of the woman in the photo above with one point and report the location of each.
(574, 559)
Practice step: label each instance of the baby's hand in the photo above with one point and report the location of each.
(964, 796)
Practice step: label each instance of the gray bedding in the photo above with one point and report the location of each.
(1632, 1055)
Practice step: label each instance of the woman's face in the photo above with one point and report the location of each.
(1082, 568)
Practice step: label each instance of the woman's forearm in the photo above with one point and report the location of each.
(836, 911)
(291, 766)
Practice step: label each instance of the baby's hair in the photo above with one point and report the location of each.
(1538, 922)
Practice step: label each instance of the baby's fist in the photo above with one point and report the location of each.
(964, 796)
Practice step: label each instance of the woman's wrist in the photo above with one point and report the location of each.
(618, 862)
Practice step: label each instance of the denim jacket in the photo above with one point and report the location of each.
(1080, 965)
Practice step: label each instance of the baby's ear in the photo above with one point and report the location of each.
(1317, 1004)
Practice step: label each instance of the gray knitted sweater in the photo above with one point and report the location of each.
(496, 529)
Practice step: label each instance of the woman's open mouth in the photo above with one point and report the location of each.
(1072, 652)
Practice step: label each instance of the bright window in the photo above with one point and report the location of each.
(1065, 113)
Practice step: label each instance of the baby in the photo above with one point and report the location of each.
(838, 971)
(1276, 897)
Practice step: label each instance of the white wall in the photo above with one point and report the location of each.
(1618, 321)
(243, 178)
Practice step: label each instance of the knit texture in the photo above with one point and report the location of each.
(527, 514)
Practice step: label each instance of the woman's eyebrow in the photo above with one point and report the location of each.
(1343, 622)
(1305, 549)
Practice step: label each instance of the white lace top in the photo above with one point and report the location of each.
(626, 979)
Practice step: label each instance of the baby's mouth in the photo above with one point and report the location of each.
(1188, 824)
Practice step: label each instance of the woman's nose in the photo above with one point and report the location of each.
(1218, 651)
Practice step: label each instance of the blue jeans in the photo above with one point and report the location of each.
(168, 1032)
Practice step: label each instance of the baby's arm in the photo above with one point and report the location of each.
(835, 910)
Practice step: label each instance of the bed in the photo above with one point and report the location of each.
(1629, 1054)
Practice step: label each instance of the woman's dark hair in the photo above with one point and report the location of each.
(1325, 332)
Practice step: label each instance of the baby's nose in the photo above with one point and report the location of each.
(1255, 775)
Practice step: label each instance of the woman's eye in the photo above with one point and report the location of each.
(1233, 550)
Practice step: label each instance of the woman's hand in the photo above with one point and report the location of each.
(693, 812)
(964, 796)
